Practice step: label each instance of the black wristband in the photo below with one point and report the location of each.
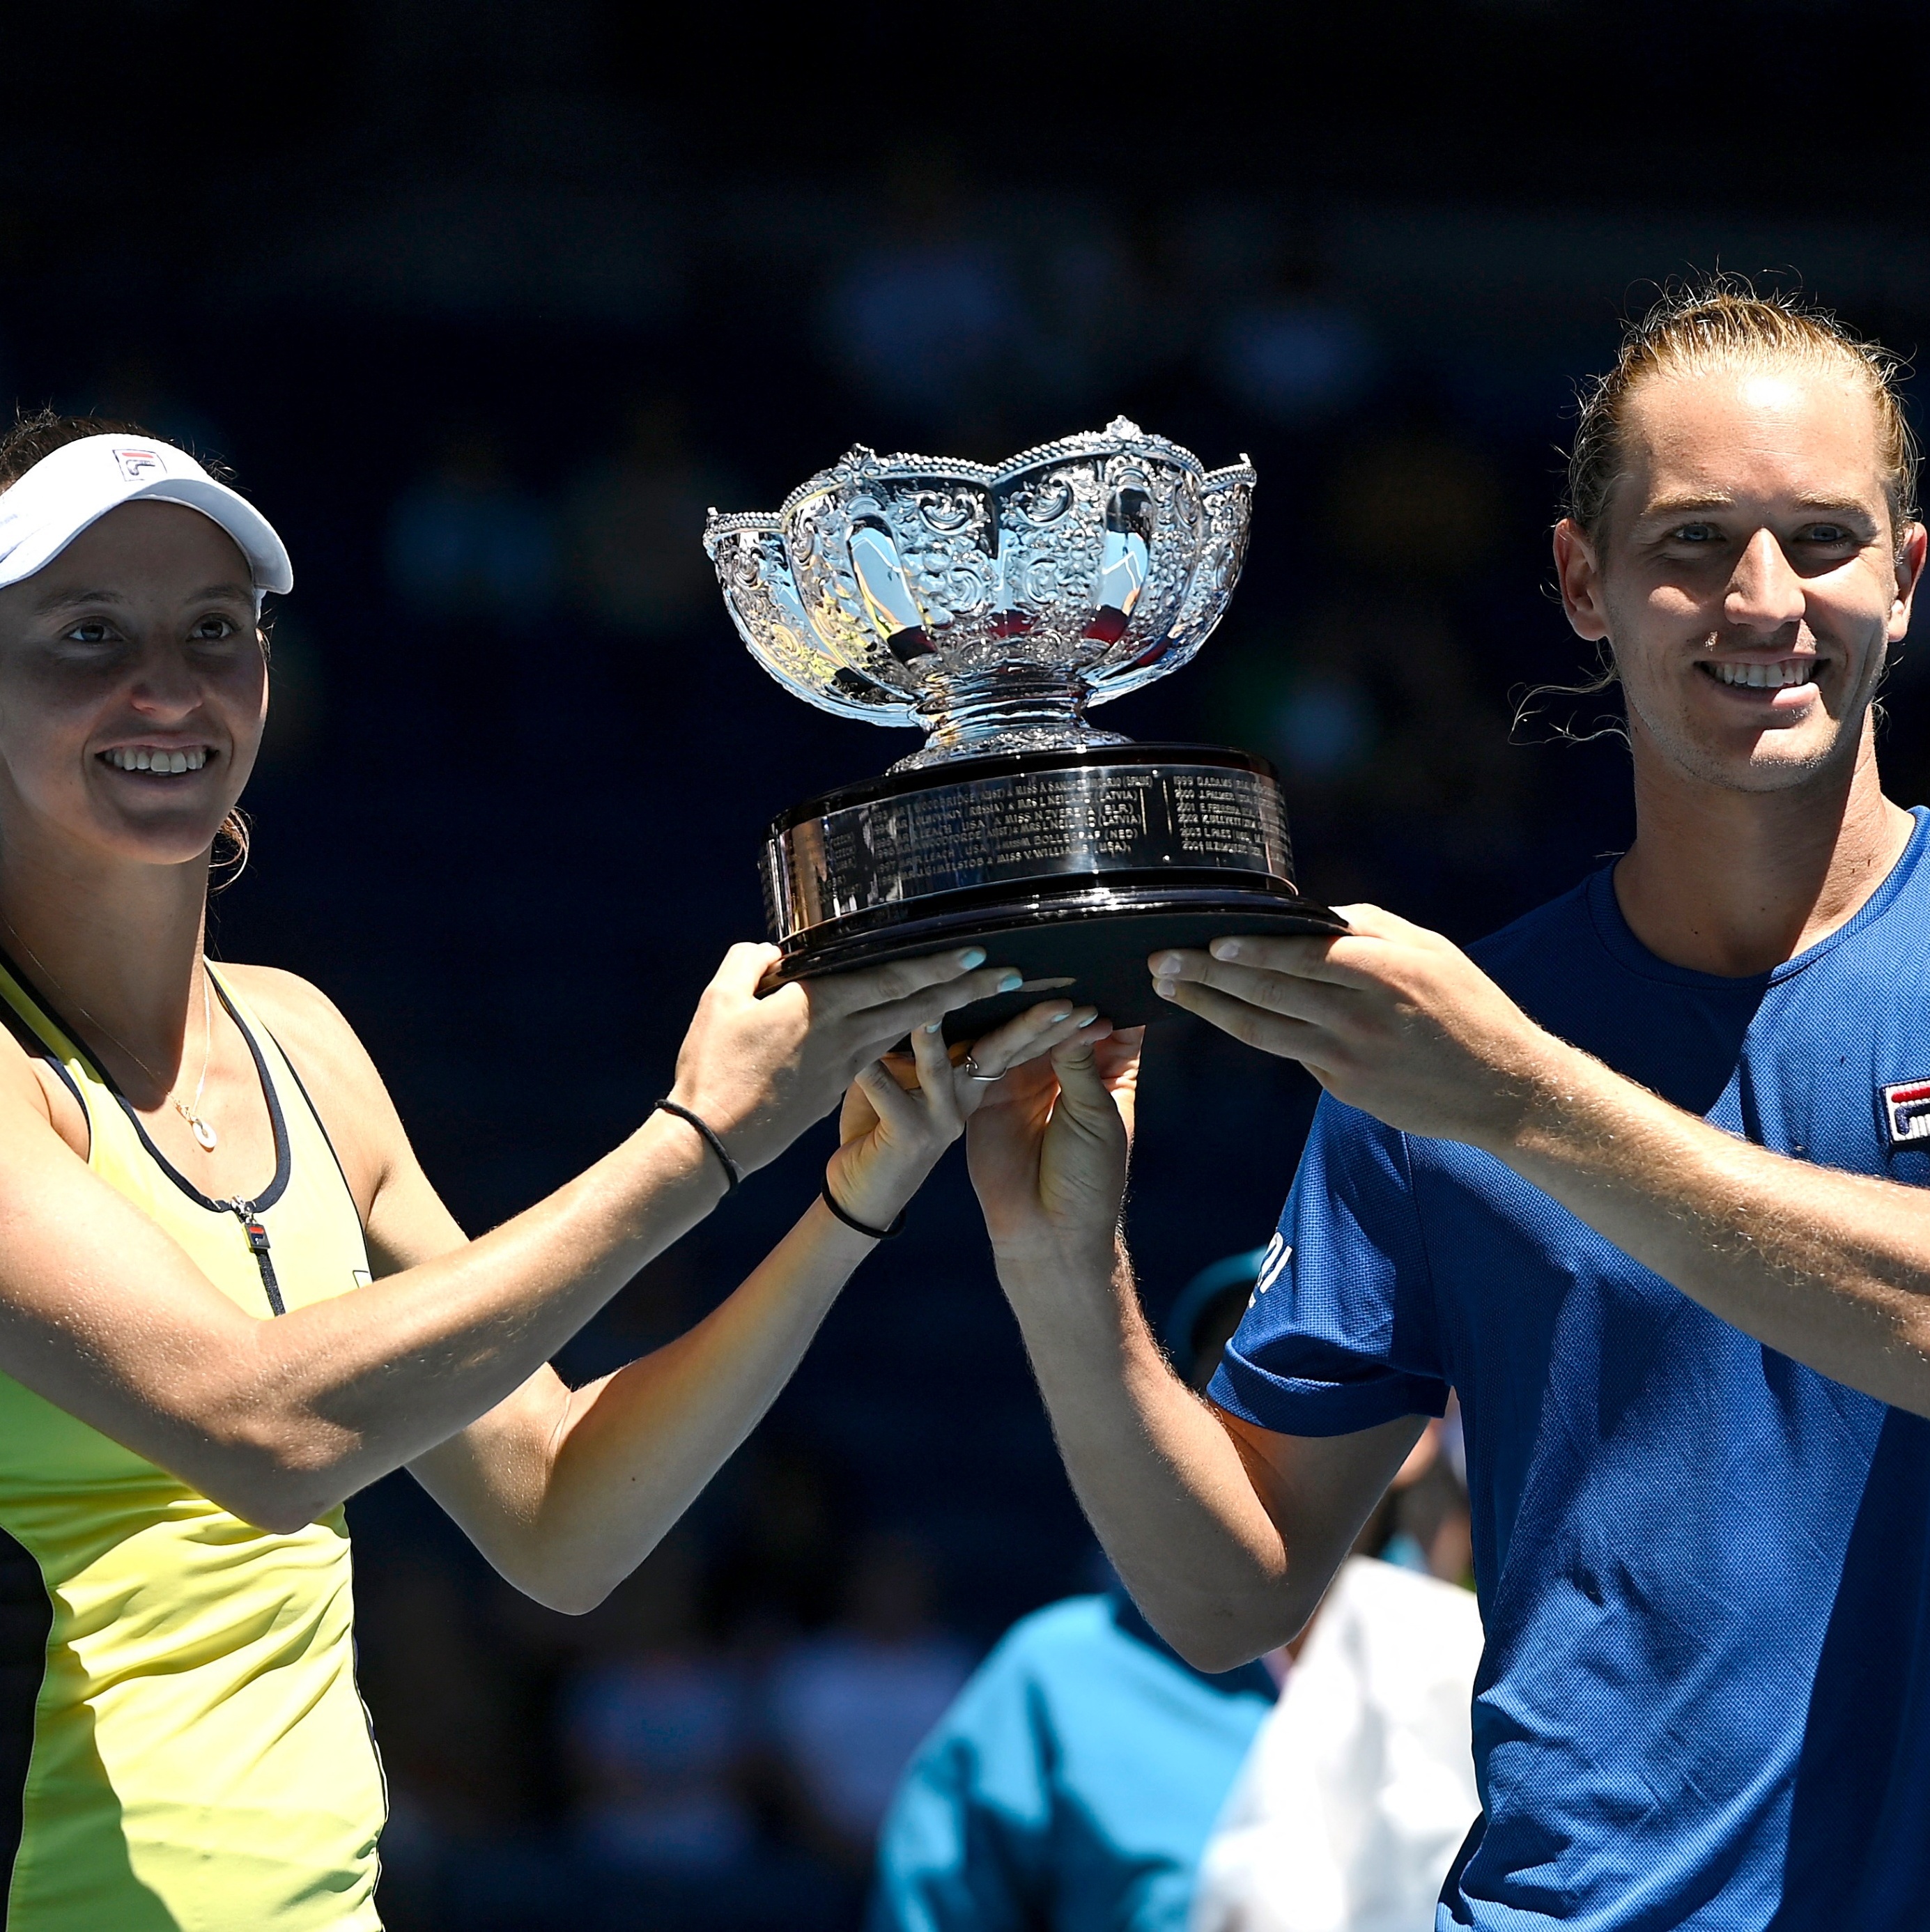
(852, 1221)
(733, 1174)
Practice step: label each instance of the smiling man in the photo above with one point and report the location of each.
(1643, 1180)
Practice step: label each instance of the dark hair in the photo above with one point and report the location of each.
(1721, 320)
(38, 433)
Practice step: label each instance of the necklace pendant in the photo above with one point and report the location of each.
(203, 1133)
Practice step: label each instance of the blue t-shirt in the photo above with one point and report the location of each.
(1072, 1786)
(1704, 1571)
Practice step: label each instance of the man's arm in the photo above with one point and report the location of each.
(1831, 1269)
(1226, 1535)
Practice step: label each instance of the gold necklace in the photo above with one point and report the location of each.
(205, 1137)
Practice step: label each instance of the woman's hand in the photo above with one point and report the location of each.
(761, 1071)
(1048, 1149)
(902, 1112)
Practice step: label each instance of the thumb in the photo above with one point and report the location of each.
(743, 966)
(1081, 1088)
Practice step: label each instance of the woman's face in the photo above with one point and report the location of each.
(133, 688)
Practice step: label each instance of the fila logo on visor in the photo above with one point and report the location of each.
(136, 463)
(1906, 1113)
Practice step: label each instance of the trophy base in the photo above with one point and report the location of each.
(1090, 946)
(1071, 865)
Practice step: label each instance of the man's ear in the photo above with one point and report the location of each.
(1909, 554)
(1579, 575)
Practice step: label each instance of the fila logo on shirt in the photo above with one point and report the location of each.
(136, 463)
(1273, 1263)
(1906, 1113)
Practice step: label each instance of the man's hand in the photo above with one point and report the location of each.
(1048, 1148)
(1389, 1017)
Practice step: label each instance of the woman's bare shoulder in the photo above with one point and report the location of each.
(322, 1046)
(27, 1079)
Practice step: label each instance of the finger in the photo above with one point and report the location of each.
(894, 1107)
(938, 1082)
(1120, 1052)
(1373, 921)
(743, 966)
(1276, 1034)
(840, 994)
(1322, 1004)
(1082, 1087)
(886, 1024)
(1304, 956)
(1035, 1031)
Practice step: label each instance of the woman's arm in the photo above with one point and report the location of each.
(566, 1490)
(104, 1314)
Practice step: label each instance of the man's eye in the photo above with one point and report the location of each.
(212, 630)
(89, 630)
(1693, 533)
(1828, 533)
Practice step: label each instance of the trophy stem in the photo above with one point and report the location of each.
(1008, 709)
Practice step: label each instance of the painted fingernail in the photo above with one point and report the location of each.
(1225, 949)
(1165, 988)
(973, 956)
(1010, 982)
(932, 1026)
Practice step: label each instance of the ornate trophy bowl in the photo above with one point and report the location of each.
(993, 607)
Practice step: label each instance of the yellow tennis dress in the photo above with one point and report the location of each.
(182, 1742)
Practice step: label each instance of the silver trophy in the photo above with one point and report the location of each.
(994, 608)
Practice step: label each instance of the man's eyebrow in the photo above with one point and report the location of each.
(1666, 507)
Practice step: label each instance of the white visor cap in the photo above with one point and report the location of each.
(80, 482)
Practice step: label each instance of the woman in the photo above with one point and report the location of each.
(228, 1296)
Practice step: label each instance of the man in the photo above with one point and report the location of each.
(1693, 1353)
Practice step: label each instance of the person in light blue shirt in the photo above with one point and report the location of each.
(1074, 1783)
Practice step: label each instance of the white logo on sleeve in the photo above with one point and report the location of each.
(136, 463)
(1273, 1265)
(1906, 1113)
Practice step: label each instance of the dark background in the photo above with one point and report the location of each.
(485, 305)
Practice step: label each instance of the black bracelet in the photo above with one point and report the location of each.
(733, 1174)
(852, 1221)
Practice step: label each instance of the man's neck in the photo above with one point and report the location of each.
(1735, 883)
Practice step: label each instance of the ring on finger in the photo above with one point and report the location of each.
(971, 1069)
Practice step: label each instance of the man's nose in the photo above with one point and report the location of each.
(1764, 593)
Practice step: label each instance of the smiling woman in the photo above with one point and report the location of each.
(229, 1297)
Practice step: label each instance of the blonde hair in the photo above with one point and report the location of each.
(1715, 323)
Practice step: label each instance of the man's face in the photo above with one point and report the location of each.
(1747, 578)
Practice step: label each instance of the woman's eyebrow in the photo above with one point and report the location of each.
(62, 599)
